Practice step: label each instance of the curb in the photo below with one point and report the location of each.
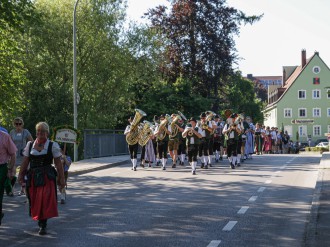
(102, 167)
(312, 219)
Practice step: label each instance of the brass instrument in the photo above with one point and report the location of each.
(174, 127)
(190, 132)
(133, 136)
(209, 116)
(182, 116)
(145, 133)
(228, 113)
(161, 129)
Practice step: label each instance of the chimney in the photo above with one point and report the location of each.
(283, 77)
(303, 58)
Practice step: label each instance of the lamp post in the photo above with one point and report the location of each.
(75, 108)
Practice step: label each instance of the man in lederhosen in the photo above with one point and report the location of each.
(154, 141)
(203, 151)
(192, 134)
(162, 132)
(232, 130)
(182, 144)
(173, 143)
(133, 149)
(211, 142)
(218, 138)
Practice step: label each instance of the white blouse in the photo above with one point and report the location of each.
(56, 150)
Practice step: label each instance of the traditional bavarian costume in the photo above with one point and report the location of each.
(203, 151)
(41, 181)
(232, 136)
(218, 139)
(162, 142)
(133, 149)
(182, 145)
(192, 142)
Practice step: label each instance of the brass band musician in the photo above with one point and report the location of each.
(173, 143)
(193, 134)
(232, 131)
(133, 147)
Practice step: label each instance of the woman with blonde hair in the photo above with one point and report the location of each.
(20, 137)
(41, 176)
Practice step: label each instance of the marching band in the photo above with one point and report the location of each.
(206, 139)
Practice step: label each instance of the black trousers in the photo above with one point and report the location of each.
(231, 147)
(162, 149)
(192, 152)
(133, 149)
(203, 147)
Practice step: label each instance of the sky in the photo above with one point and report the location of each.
(287, 27)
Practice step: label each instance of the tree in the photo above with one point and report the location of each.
(198, 41)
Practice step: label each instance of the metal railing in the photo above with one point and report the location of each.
(102, 143)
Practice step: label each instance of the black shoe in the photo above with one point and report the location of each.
(194, 173)
(174, 165)
(164, 168)
(210, 165)
(181, 163)
(220, 158)
(158, 163)
(42, 231)
(238, 164)
(232, 166)
(206, 167)
(134, 169)
(202, 165)
(2, 214)
(142, 165)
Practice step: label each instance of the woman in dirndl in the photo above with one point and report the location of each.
(41, 176)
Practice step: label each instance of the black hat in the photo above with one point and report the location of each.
(203, 114)
(162, 116)
(156, 118)
(216, 116)
(192, 119)
(234, 115)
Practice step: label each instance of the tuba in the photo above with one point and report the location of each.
(174, 127)
(133, 136)
(145, 133)
(161, 129)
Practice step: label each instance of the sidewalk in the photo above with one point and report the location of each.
(95, 164)
(318, 228)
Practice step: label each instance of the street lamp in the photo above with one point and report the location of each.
(75, 110)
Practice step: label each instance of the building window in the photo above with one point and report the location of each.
(316, 94)
(316, 112)
(287, 112)
(328, 93)
(302, 130)
(302, 94)
(328, 110)
(317, 130)
(302, 112)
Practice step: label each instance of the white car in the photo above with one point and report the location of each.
(323, 144)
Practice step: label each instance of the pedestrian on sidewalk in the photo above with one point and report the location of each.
(41, 184)
(20, 137)
(7, 163)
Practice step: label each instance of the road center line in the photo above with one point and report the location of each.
(214, 243)
(261, 189)
(253, 198)
(243, 210)
(230, 225)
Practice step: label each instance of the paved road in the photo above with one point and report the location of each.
(266, 202)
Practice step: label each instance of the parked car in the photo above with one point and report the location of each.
(320, 140)
(303, 145)
(323, 144)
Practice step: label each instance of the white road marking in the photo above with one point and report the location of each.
(114, 173)
(268, 181)
(261, 189)
(243, 210)
(282, 167)
(253, 198)
(214, 243)
(230, 225)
